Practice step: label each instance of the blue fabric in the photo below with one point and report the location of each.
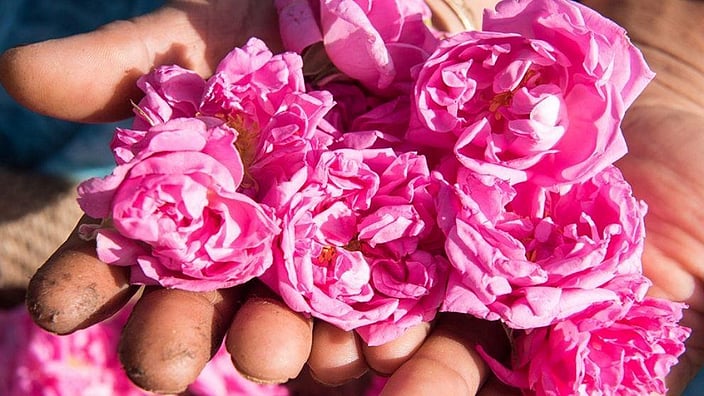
(696, 387)
(31, 141)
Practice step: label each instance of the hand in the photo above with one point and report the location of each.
(665, 133)
(171, 334)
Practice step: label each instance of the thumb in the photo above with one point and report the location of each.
(91, 77)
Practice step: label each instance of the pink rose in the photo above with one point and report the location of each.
(356, 247)
(602, 46)
(351, 102)
(532, 256)
(189, 203)
(170, 92)
(539, 95)
(608, 349)
(251, 91)
(251, 83)
(276, 157)
(417, 281)
(388, 38)
(34, 362)
(175, 213)
(367, 121)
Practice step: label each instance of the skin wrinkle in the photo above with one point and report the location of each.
(683, 66)
(134, 30)
(664, 171)
(647, 23)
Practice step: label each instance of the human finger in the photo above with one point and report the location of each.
(307, 385)
(336, 356)
(268, 342)
(388, 357)
(91, 77)
(171, 334)
(74, 289)
(447, 362)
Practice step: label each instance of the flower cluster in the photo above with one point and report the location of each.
(630, 356)
(380, 171)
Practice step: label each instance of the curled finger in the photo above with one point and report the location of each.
(447, 363)
(268, 342)
(336, 356)
(172, 334)
(74, 289)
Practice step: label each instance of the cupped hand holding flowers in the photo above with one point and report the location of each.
(623, 85)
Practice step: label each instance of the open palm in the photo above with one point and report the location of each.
(665, 167)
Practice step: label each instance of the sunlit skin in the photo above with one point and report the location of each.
(663, 130)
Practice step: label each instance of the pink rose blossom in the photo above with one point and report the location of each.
(175, 213)
(531, 256)
(351, 102)
(538, 95)
(367, 121)
(189, 204)
(253, 92)
(601, 46)
(382, 126)
(609, 349)
(356, 249)
(251, 84)
(387, 38)
(34, 362)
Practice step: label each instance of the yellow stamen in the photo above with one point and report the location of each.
(327, 255)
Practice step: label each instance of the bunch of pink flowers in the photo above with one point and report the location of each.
(417, 172)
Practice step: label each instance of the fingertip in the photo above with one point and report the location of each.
(268, 342)
(336, 355)
(171, 335)
(87, 77)
(387, 358)
(422, 376)
(74, 290)
(447, 362)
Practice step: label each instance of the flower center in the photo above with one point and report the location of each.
(246, 145)
(327, 255)
(500, 100)
(247, 136)
(504, 99)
